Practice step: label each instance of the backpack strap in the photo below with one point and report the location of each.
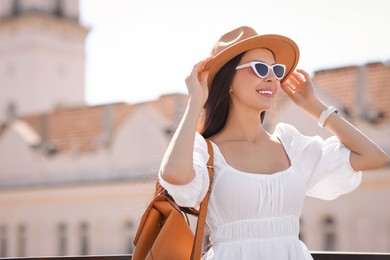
(197, 246)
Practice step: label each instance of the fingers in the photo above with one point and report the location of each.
(294, 80)
(293, 83)
(305, 73)
(204, 76)
(205, 61)
(288, 88)
(200, 65)
(197, 71)
(299, 87)
(297, 79)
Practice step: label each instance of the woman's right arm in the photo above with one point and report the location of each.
(177, 164)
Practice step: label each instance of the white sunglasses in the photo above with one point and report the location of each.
(262, 69)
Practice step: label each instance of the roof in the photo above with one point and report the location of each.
(359, 87)
(77, 128)
(85, 128)
(89, 128)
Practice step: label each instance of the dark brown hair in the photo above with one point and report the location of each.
(218, 102)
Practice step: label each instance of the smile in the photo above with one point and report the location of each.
(265, 92)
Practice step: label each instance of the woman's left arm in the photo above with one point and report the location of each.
(365, 154)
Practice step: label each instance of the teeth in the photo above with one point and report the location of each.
(265, 92)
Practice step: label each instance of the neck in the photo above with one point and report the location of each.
(244, 124)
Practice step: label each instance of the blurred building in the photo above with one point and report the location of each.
(75, 179)
(41, 56)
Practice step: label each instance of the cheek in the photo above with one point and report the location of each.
(249, 76)
(244, 79)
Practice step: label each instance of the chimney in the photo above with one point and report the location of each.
(11, 111)
(46, 145)
(107, 126)
(362, 93)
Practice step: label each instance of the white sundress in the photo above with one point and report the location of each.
(256, 216)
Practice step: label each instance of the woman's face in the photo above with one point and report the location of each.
(250, 90)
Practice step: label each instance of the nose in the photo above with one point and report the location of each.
(271, 77)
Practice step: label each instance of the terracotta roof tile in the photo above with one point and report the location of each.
(79, 128)
(342, 84)
(379, 87)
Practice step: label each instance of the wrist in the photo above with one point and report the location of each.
(315, 108)
(326, 114)
(195, 106)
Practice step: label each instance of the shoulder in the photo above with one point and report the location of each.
(293, 140)
(200, 142)
(285, 131)
(286, 134)
(199, 138)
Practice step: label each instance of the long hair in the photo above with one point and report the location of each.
(218, 103)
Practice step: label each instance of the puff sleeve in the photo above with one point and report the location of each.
(192, 193)
(323, 164)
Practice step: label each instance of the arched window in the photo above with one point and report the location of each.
(84, 238)
(129, 236)
(22, 240)
(329, 233)
(3, 241)
(58, 8)
(16, 7)
(62, 239)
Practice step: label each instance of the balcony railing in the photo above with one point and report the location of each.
(349, 256)
(316, 256)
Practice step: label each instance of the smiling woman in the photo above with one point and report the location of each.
(260, 178)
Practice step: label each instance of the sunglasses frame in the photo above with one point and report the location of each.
(252, 64)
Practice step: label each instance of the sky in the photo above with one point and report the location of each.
(139, 50)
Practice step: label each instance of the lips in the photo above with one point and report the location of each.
(266, 92)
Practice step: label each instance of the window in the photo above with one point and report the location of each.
(62, 239)
(3, 241)
(22, 240)
(58, 8)
(84, 239)
(301, 230)
(329, 233)
(11, 110)
(129, 237)
(16, 7)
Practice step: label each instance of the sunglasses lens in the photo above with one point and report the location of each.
(261, 69)
(279, 71)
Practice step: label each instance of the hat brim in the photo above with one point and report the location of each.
(284, 49)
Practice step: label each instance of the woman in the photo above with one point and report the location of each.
(260, 179)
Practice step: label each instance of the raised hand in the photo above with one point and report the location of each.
(300, 89)
(197, 83)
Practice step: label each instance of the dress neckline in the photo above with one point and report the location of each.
(269, 175)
